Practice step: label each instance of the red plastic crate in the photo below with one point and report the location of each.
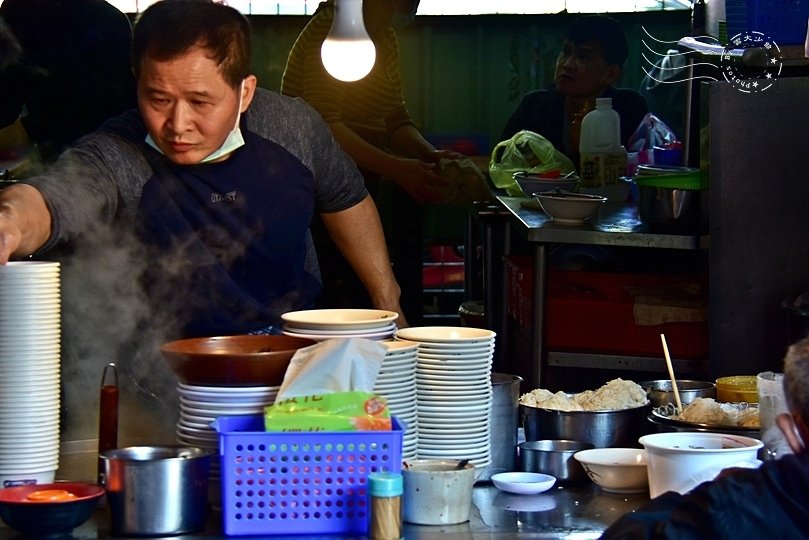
(612, 313)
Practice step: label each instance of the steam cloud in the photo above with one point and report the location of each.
(109, 317)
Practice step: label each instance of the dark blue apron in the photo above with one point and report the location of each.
(228, 240)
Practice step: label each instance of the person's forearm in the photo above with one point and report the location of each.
(408, 141)
(357, 233)
(25, 222)
(365, 155)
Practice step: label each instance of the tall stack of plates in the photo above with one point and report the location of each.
(201, 405)
(323, 324)
(30, 338)
(454, 392)
(397, 383)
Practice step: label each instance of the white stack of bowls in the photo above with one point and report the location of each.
(397, 384)
(201, 405)
(454, 392)
(323, 324)
(30, 339)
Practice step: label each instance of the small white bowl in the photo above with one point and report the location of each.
(531, 183)
(618, 470)
(569, 208)
(523, 483)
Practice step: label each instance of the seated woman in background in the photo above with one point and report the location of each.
(590, 62)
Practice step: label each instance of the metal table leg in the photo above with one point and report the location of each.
(537, 345)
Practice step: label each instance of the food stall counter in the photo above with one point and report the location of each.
(581, 511)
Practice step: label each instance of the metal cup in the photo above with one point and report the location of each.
(157, 490)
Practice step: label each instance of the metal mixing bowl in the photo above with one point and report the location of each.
(661, 393)
(554, 457)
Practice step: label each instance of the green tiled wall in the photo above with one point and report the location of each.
(464, 74)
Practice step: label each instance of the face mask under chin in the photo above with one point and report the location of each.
(232, 142)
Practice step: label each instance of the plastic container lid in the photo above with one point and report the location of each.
(671, 178)
(385, 484)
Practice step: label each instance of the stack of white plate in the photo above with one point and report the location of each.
(30, 337)
(454, 392)
(201, 405)
(397, 383)
(323, 324)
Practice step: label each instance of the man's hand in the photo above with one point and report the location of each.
(437, 155)
(10, 234)
(420, 181)
(25, 221)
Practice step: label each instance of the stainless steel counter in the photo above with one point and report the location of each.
(615, 224)
(580, 513)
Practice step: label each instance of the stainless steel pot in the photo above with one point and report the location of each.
(670, 210)
(602, 429)
(157, 490)
(503, 424)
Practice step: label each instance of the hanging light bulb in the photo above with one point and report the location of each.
(348, 53)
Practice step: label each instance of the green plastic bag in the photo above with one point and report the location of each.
(525, 151)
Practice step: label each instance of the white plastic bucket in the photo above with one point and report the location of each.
(680, 461)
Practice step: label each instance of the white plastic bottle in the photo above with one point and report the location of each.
(603, 158)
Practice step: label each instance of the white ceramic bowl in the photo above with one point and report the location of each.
(619, 470)
(569, 208)
(530, 184)
(679, 461)
(339, 319)
(447, 334)
(523, 483)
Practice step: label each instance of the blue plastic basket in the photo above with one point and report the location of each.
(302, 482)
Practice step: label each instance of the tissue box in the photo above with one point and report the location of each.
(614, 313)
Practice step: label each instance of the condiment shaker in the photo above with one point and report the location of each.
(385, 490)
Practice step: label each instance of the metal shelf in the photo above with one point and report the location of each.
(629, 363)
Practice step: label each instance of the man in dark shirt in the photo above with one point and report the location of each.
(590, 62)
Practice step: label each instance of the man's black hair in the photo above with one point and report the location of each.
(604, 30)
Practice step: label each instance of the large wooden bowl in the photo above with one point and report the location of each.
(244, 360)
